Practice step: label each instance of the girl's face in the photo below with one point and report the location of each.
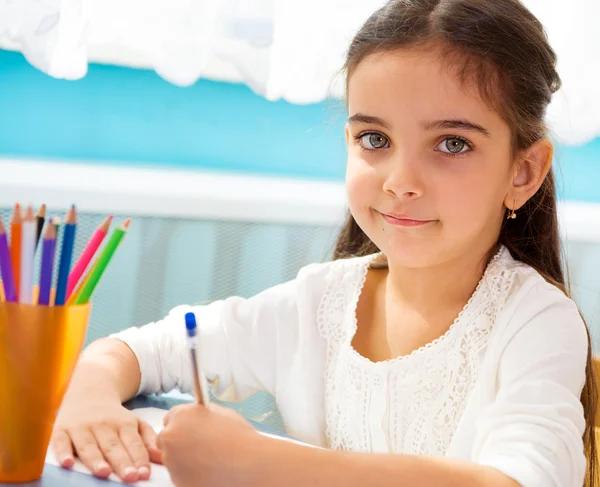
(429, 162)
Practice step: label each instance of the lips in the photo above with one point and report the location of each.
(403, 220)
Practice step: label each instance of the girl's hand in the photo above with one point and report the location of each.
(211, 447)
(106, 437)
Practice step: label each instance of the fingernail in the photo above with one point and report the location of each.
(66, 459)
(100, 466)
(144, 472)
(129, 471)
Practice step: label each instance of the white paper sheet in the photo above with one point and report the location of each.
(159, 476)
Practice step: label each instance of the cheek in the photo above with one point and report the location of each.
(359, 183)
(364, 189)
(471, 204)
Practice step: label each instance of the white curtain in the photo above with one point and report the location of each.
(282, 49)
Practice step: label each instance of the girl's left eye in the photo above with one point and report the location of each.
(454, 146)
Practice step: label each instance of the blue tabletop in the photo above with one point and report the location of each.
(59, 477)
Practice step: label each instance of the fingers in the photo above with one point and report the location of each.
(115, 453)
(149, 438)
(192, 408)
(159, 441)
(89, 453)
(62, 448)
(171, 425)
(172, 412)
(135, 447)
(215, 408)
(227, 412)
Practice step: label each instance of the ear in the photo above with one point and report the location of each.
(529, 171)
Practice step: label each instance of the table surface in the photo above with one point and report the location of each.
(54, 476)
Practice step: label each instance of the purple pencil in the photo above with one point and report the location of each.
(48, 251)
(6, 269)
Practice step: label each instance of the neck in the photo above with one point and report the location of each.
(432, 290)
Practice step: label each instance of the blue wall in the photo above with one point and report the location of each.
(126, 116)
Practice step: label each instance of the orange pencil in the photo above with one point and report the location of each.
(15, 245)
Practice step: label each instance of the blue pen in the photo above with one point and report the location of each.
(66, 254)
(200, 386)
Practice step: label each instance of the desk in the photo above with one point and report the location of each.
(58, 477)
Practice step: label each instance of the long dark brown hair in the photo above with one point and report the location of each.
(502, 47)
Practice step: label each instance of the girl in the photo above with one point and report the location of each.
(442, 337)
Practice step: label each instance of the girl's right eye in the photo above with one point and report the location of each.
(372, 141)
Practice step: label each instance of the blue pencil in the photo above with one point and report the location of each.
(66, 255)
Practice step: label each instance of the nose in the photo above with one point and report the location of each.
(403, 180)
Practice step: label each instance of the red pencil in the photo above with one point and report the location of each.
(15, 245)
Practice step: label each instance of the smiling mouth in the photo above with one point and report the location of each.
(403, 221)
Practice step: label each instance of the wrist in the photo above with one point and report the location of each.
(254, 469)
(281, 462)
(89, 383)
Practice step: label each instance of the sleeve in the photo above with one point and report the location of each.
(533, 432)
(244, 343)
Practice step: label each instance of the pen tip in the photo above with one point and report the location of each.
(127, 222)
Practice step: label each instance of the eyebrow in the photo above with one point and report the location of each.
(436, 124)
(456, 124)
(369, 119)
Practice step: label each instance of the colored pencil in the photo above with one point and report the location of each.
(87, 255)
(6, 269)
(66, 255)
(100, 266)
(15, 245)
(40, 218)
(28, 230)
(77, 290)
(48, 253)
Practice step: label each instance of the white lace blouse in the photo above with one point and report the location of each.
(501, 387)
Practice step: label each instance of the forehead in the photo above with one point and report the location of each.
(416, 83)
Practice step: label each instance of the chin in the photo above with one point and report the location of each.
(410, 252)
(412, 258)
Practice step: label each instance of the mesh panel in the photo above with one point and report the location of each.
(164, 262)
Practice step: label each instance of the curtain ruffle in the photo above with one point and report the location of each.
(281, 49)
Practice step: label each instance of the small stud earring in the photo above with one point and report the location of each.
(512, 214)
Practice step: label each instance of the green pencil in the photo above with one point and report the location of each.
(104, 259)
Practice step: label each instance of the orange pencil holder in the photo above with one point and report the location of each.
(39, 347)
